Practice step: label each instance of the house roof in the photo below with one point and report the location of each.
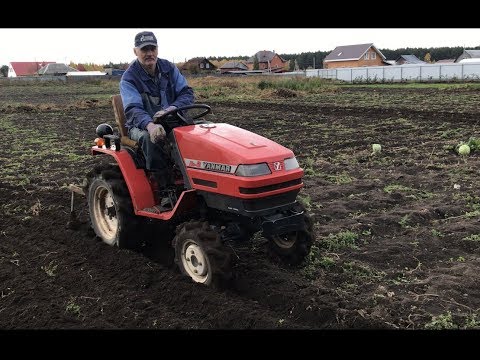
(445, 61)
(473, 53)
(351, 52)
(196, 61)
(56, 68)
(410, 59)
(85, 73)
(264, 56)
(234, 65)
(29, 67)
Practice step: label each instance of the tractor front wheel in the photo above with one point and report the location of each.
(200, 254)
(292, 247)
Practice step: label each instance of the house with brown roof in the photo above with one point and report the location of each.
(268, 61)
(198, 65)
(233, 66)
(28, 68)
(354, 56)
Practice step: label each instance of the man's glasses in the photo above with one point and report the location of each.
(149, 48)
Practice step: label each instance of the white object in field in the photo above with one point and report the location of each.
(464, 150)
(376, 148)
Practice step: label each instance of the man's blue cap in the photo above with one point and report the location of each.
(145, 38)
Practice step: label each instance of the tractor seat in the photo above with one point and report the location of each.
(120, 120)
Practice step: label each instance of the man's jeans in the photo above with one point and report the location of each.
(155, 157)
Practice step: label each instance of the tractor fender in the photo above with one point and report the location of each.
(136, 179)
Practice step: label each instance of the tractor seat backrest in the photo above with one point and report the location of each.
(119, 114)
(120, 120)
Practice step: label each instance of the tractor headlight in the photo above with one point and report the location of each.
(253, 170)
(291, 164)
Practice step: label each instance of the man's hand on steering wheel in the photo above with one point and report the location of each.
(178, 112)
(160, 114)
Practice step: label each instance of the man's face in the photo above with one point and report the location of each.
(147, 55)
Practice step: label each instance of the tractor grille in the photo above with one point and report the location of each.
(270, 202)
(203, 182)
(267, 188)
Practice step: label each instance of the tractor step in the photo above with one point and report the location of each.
(153, 210)
(157, 209)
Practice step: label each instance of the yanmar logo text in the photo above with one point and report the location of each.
(210, 166)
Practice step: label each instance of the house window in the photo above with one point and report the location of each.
(365, 56)
(373, 56)
(207, 65)
(201, 66)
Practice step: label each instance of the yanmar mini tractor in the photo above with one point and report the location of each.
(229, 185)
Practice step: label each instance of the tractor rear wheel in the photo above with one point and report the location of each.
(292, 247)
(200, 254)
(111, 210)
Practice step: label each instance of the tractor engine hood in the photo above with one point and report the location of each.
(227, 144)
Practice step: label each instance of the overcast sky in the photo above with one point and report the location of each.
(100, 46)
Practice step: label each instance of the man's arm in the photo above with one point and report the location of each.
(183, 92)
(133, 106)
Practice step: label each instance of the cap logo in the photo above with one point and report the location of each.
(147, 38)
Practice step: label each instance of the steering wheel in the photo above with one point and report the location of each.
(187, 120)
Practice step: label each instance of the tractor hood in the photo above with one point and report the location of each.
(227, 144)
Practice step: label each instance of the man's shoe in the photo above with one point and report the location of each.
(166, 204)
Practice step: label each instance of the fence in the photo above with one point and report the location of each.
(413, 72)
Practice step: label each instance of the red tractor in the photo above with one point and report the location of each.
(229, 184)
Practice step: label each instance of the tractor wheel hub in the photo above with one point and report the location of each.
(195, 261)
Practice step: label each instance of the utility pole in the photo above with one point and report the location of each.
(314, 61)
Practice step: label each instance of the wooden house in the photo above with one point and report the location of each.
(198, 65)
(354, 56)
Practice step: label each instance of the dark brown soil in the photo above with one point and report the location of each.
(397, 233)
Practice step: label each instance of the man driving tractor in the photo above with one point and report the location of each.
(149, 88)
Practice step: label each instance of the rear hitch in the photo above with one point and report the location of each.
(74, 223)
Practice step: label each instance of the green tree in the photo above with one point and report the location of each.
(4, 70)
(291, 65)
(256, 66)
